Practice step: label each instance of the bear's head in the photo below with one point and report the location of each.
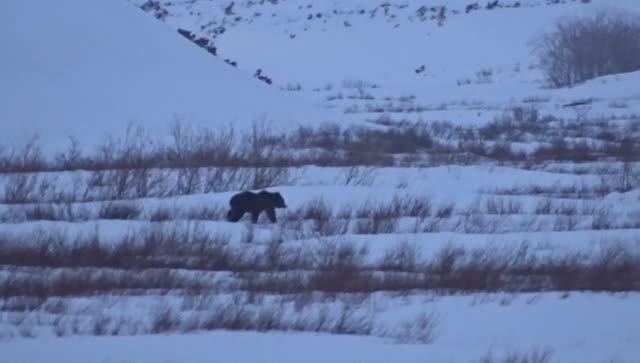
(278, 201)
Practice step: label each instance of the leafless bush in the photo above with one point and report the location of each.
(20, 188)
(40, 212)
(94, 281)
(404, 256)
(339, 265)
(534, 356)
(428, 224)
(260, 150)
(320, 215)
(445, 211)
(572, 191)
(359, 175)
(476, 270)
(29, 158)
(565, 223)
(382, 219)
(22, 303)
(165, 320)
(202, 147)
(158, 246)
(224, 179)
(345, 212)
(602, 220)
(120, 210)
(501, 207)
(188, 181)
(543, 207)
(100, 324)
(478, 223)
(162, 214)
(56, 306)
(412, 207)
(206, 213)
(420, 329)
(580, 49)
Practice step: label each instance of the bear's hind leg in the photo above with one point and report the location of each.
(254, 216)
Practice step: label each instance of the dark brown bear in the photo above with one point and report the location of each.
(248, 202)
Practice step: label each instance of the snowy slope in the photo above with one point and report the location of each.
(88, 68)
(474, 328)
(457, 62)
(74, 284)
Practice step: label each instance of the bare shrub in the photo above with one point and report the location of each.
(162, 214)
(224, 179)
(165, 320)
(534, 356)
(420, 329)
(132, 151)
(602, 220)
(29, 158)
(206, 212)
(382, 219)
(188, 181)
(350, 321)
(404, 256)
(22, 303)
(543, 207)
(100, 324)
(316, 210)
(567, 209)
(201, 147)
(339, 265)
(92, 281)
(501, 207)
(477, 270)
(20, 188)
(565, 223)
(344, 212)
(359, 175)
(580, 49)
(445, 211)
(72, 157)
(40, 212)
(260, 150)
(412, 207)
(157, 246)
(120, 210)
(320, 215)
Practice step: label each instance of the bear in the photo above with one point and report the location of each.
(255, 204)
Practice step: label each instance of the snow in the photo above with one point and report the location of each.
(470, 327)
(477, 65)
(89, 68)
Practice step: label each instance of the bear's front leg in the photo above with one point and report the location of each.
(254, 217)
(234, 215)
(271, 213)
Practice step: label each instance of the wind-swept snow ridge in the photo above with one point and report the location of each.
(89, 67)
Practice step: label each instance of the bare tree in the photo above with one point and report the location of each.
(580, 49)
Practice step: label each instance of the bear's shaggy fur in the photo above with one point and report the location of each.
(248, 202)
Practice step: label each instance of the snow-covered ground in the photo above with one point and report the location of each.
(530, 258)
(575, 328)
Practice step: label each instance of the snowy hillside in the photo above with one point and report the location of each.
(461, 61)
(443, 203)
(88, 68)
